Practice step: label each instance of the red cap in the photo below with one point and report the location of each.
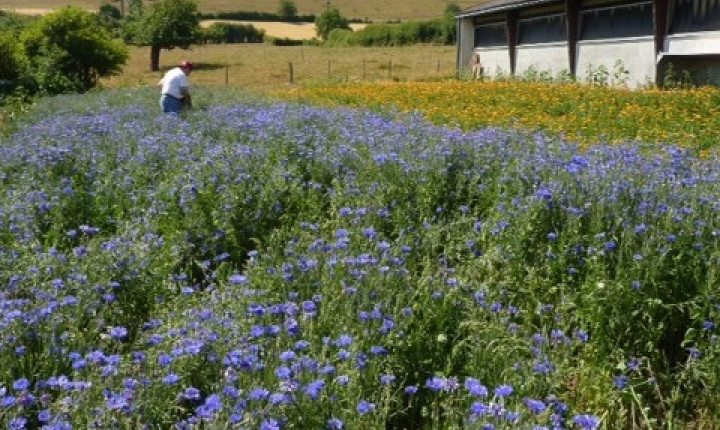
(186, 65)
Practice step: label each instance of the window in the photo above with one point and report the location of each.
(543, 29)
(695, 15)
(631, 20)
(487, 35)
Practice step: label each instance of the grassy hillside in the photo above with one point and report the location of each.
(372, 9)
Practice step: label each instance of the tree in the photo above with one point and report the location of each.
(69, 50)
(328, 21)
(287, 11)
(13, 64)
(167, 24)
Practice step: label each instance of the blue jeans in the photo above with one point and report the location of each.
(170, 104)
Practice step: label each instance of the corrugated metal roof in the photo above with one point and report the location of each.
(500, 6)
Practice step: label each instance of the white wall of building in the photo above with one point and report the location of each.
(706, 42)
(466, 40)
(636, 54)
(545, 57)
(495, 60)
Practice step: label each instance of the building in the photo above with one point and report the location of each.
(641, 41)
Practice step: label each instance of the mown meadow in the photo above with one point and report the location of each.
(272, 264)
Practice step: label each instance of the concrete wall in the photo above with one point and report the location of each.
(706, 42)
(637, 55)
(466, 41)
(495, 60)
(545, 57)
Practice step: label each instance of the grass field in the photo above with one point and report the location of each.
(262, 67)
(376, 10)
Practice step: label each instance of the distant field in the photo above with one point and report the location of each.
(377, 10)
(291, 30)
(263, 67)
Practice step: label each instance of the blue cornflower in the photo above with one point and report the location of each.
(586, 421)
(504, 390)
(270, 424)
(21, 384)
(287, 356)
(436, 383)
(191, 393)
(364, 407)
(118, 332)
(211, 406)
(411, 389)
(479, 408)
(387, 379)
(620, 381)
(344, 340)
(258, 394)
(171, 379)
(378, 350)
(475, 388)
(335, 424)
(314, 388)
(283, 373)
(535, 406)
(18, 423)
(44, 416)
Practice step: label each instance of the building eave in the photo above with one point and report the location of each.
(501, 6)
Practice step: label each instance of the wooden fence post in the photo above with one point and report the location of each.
(292, 79)
(227, 74)
(328, 69)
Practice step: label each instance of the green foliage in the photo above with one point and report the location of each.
(221, 32)
(166, 24)
(674, 80)
(287, 11)
(285, 41)
(69, 51)
(14, 23)
(256, 16)
(13, 65)
(110, 17)
(328, 21)
(439, 31)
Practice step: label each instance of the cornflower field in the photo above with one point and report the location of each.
(259, 264)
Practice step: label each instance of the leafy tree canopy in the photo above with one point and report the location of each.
(328, 21)
(287, 10)
(69, 50)
(167, 24)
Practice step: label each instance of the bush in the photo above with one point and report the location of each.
(70, 51)
(257, 16)
(221, 32)
(285, 41)
(406, 33)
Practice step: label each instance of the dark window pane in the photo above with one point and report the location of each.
(543, 29)
(621, 21)
(491, 35)
(695, 15)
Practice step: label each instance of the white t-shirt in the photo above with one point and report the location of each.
(173, 80)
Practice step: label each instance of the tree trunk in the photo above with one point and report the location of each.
(154, 58)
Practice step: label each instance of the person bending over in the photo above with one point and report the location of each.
(175, 88)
